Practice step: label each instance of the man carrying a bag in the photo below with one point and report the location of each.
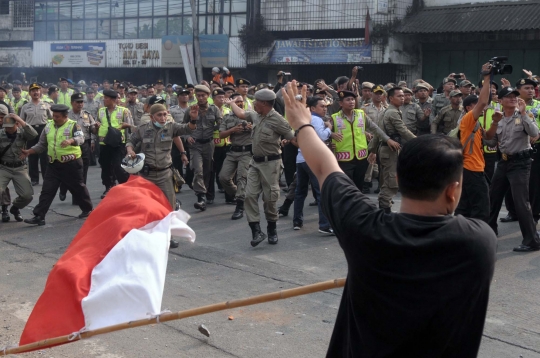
(113, 121)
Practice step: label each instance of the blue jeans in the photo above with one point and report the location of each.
(303, 176)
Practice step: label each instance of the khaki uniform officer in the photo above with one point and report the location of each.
(424, 101)
(13, 137)
(61, 139)
(36, 113)
(136, 108)
(394, 127)
(88, 125)
(201, 144)
(156, 139)
(448, 116)
(412, 112)
(443, 99)
(265, 166)
(238, 158)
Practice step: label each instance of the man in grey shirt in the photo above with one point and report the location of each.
(515, 128)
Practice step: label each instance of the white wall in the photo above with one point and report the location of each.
(458, 2)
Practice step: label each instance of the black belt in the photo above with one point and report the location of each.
(268, 158)
(38, 125)
(13, 164)
(524, 154)
(203, 141)
(159, 169)
(241, 148)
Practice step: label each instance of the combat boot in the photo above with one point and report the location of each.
(257, 235)
(366, 187)
(283, 210)
(239, 211)
(271, 229)
(201, 202)
(5, 214)
(16, 213)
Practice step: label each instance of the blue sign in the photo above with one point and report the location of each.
(321, 51)
(78, 47)
(214, 50)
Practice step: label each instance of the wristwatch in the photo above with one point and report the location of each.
(183, 153)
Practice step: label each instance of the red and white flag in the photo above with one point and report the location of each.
(114, 269)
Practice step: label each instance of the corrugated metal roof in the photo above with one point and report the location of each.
(485, 17)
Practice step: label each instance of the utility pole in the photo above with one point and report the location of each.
(196, 45)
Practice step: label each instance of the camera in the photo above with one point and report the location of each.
(283, 73)
(498, 66)
(457, 76)
(244, 124)
(359, 68)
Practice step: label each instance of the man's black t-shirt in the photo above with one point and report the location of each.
(417, 286)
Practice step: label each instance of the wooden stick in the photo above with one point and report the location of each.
(268, 297)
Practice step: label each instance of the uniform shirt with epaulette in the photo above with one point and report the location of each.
(173, 99)
(208, 121)
(36, 114)
(178, 113)
(237, 139)
(22, 135)
(374, 113)
(267, 132)
(85, 120)
(513, 133)
(137, 111)
(92, 107)
(412, 116)
(439, 102)
(156, 143)
(392, 123)
(446, 120)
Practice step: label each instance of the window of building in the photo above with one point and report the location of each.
(4, 7)
(23, 13)
(127, 19)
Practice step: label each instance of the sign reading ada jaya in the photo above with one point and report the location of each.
(78, 54)
(321, 51)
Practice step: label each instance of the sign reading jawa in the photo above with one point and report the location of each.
(134, 53)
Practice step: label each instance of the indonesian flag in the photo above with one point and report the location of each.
(114, 269)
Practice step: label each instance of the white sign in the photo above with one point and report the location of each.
(78, 54)
(382, 6)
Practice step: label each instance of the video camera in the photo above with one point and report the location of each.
(498, 66)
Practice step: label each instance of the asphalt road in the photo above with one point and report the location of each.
(221, 265)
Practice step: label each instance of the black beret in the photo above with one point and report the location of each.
(217, 92)
(110, 93)
(77, 97)
(59, 108)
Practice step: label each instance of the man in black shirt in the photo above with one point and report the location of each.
(418, 281)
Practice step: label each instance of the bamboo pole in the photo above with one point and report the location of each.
(268, 297)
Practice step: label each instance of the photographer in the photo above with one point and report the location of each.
(514, 127)
(418, 281)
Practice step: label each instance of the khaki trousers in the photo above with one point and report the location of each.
(262, 178)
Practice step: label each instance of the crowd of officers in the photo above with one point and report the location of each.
(234, 134)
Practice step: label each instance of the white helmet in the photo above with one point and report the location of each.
(133, 166)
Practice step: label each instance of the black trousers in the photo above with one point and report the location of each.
(37, 160)
(513, 175)
(534, 189)
(474, 202)
(289, 162)
(220, 153)
(356, 170)
(85, 156)
(110, 159)
(70, 174)
(489, 170)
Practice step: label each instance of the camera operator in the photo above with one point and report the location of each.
(514, 127)
(418, 281)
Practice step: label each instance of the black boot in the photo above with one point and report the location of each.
(508, 218)
(386, 210)
(16, 213)
(366, 187)
(36, 220)
(173, 244)
(5, 214)
(201, 202)
(239, 211)
(257, 235)
(272, 232)
(284, 208)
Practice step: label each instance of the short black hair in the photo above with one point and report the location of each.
(341, 80)
(469, 100)
(313, 101)
(391, 91)
(427, 165)
(234, 95)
